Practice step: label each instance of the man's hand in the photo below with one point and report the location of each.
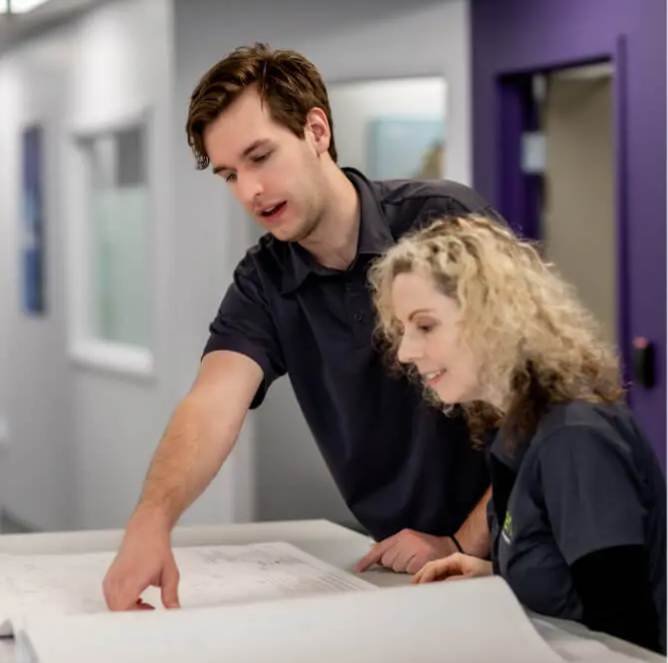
(454, 567)
(144, 559)
(407, 551)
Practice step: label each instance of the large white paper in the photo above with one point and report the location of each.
(588, 646)
(467, 621)
(69, 584)
(7, 651)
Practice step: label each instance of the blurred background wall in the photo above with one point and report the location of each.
(137, 247)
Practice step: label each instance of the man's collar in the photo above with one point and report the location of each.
(374, 236)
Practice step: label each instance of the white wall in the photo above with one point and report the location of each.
(80, 438)
(121, 66)
(35, 383)
(347, 41)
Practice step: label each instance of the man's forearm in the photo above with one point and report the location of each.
(188, 458)
(473, 535)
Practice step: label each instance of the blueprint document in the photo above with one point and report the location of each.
(70, 584)
(471, 621)
(272, 603)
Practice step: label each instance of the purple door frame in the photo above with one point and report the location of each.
(519, 194)
(513, 39)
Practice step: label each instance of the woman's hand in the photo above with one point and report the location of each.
(453, 567)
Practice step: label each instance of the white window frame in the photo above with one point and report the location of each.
(85, 349)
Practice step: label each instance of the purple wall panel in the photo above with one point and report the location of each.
(513, 36)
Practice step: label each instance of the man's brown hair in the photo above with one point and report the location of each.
(287, 82)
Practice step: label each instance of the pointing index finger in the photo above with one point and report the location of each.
(374, 555)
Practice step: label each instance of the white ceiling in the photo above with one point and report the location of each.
(16, 27)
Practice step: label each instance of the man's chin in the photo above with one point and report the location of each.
(291, 236)
(284, 236)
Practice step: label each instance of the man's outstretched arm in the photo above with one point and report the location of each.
(200, 434)
(196, 443)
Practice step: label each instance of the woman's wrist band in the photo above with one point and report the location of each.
(459, 547)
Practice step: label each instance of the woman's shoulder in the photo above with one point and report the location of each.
(581, 427)
(579, 413)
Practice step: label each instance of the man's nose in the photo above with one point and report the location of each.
(248, 189)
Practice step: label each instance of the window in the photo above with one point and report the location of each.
(114, 299)
(392, 128)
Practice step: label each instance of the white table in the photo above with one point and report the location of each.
(331, 543)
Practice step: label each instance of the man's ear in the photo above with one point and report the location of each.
(318, 129)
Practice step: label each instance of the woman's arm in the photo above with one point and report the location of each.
(616, 595)
(473, 535)
(592, 493)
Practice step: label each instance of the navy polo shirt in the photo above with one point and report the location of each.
(398, 462)
(588, 480)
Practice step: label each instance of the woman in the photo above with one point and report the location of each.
(577, 518)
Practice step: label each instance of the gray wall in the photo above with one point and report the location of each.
(35, 382)
(79, 436)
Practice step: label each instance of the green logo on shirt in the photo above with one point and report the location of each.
(507, 532)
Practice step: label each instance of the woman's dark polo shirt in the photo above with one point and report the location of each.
(397, 461)
(589, 481)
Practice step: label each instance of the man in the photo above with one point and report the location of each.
(299, 304)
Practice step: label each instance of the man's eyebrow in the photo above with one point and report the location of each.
(253, 146)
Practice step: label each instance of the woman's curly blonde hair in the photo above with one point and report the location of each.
(533, 340)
